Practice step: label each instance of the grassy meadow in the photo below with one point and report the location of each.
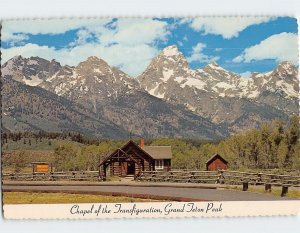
(63, 198)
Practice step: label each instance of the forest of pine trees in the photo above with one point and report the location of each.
(272, 146)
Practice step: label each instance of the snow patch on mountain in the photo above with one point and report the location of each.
(287, 88)
(193, 82)
(96, 70)
(34, 81)
(223, 85)
(167, 74)
(179, 79)
(155, 92)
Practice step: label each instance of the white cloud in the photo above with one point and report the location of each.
(132, 59)
(130, 44)
(281, 47)
(227, 27)
(198, 55)
(14, 39)
(50, 26)
(137, 31)
(127, 31)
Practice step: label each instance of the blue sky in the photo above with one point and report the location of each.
(239, 44)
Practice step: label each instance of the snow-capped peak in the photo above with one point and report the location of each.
(285, 69)
(93, 58)
(286, 65)
(171, 51)
(214, 66)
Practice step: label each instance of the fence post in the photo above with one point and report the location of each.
(192, 173)
(245, 185)
(285, 190)
(259, 179)
(219, 177)
(222, 177)
(51, 176)
(268, 187)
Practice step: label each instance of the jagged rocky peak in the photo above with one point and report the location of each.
(285, 69)
(172, 55)
(93, 65)
(93, 60)
(286, 65)
(13, 64)
(54, 67)
(169, 68)
(16, 58)
(31, 71)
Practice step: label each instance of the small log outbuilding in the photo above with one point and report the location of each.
(131, 159)
(216, 162)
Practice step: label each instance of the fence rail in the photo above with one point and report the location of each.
(53, 176)
(221, 177)
(206, 177)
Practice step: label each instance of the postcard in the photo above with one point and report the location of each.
(150, 117)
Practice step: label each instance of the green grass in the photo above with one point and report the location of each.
(60, 198)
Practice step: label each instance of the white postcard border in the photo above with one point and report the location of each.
(151, 210)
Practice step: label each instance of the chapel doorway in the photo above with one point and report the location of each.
(131, 168)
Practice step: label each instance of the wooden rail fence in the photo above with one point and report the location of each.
(53, 176)
(221, 177)
(224, 177)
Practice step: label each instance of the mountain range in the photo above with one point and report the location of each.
(169, 99)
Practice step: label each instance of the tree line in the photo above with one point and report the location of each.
(274, 145)
(40, 135)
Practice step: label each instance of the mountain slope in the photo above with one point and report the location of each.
(26, 108)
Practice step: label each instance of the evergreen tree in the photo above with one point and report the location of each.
(291, 138)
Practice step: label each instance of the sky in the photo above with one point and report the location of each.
(239, 44)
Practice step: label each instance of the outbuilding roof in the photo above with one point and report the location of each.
(159, 152)
(214, 157)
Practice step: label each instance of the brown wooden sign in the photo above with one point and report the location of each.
(42, 168)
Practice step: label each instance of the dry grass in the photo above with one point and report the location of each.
(59, 198)
(276, 191)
